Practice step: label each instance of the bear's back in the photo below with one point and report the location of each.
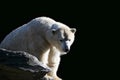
(26, 37)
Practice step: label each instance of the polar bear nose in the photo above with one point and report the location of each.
(66, 50)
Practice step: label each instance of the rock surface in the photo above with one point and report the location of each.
(19, 65)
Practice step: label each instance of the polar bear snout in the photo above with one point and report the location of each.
(66, 49)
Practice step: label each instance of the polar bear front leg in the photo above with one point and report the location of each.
(44, 59)
(53, 63)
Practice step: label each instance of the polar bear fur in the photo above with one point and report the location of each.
(44, 38)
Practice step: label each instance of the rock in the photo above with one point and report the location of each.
(20, 65)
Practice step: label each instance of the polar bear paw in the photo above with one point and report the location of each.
(57, 78)
(48, 78)
(51, 78)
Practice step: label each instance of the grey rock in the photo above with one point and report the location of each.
(20, 65)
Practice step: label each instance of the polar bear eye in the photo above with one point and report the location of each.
(69, 39)
(61, 40)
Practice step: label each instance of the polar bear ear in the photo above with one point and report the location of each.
(54, 31)
(54, 28)
(73, 30)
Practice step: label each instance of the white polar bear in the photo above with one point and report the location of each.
(44, 38)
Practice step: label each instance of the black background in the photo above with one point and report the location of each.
(86, 58)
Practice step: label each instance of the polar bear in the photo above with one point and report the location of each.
(44, 38)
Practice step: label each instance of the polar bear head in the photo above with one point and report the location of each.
(62, 37)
